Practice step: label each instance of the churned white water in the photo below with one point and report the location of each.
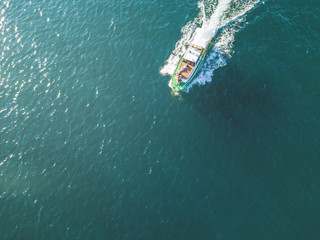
(223, 21)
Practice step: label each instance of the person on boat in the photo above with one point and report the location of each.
(179, 77)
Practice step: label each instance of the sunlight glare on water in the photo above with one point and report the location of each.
(95, 145)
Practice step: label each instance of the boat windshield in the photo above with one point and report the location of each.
(192, 54)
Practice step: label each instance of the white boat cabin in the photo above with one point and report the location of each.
(197, 46)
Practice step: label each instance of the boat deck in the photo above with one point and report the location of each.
(185, 70)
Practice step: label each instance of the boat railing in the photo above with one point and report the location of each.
(196, 47)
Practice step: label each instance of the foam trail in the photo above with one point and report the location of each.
(226, 18)
(223, 45)
(181, 46)
(188, 30)
(214, 61)
(213, 23)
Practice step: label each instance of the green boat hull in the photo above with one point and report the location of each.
(176, 87)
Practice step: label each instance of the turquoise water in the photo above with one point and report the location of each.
(95, 146)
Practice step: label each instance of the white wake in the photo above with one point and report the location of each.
(226, 17)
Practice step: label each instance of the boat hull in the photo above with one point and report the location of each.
(175, 85)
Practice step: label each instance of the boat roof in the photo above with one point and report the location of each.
(192, 54)
(201, 37)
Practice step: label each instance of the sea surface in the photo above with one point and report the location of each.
(94, 144)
